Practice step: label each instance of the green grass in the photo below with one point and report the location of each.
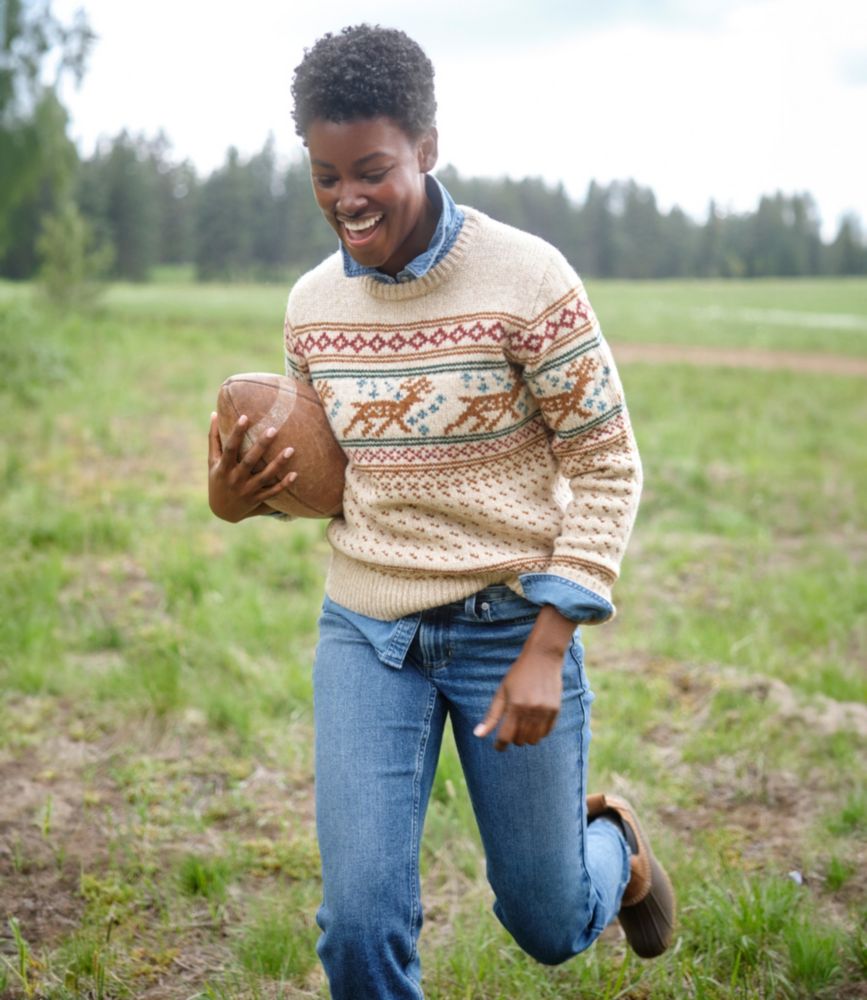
(745, 937)
(753, 509)
(155, 693)
(852, 818)
(278, 940)
(203, 876)
(813, 314)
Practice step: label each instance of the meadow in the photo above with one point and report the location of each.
(156, 819)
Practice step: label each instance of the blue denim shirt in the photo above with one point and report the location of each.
(448, 226)
(391, 639)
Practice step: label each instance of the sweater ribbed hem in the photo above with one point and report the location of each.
(375, 592)
(372, 591)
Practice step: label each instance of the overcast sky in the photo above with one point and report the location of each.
(694, 99)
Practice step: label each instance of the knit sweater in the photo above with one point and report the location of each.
(483, 419)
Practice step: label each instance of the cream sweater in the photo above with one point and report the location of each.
(483, 419)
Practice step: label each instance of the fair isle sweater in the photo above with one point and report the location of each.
(483, 419)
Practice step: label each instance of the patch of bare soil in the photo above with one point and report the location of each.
(99, 803)
(819, 714)
(49, 834)
(742, 357)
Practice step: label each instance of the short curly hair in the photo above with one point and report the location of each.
(366, 71)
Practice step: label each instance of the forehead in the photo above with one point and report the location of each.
(347, 143)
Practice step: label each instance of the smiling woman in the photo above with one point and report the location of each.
(368, 178)
(491, 486)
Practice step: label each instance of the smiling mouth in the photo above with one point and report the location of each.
(359, 232)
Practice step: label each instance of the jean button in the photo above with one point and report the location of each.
(485, 606)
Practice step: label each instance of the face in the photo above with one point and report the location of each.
(369, 180)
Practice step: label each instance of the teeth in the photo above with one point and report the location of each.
(362, 224)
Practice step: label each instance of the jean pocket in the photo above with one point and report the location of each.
(512, 610)
(515, 618)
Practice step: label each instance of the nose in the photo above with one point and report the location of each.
(350, 199)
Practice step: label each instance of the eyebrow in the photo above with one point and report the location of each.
(358, 162)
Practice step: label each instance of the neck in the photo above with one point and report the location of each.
(421, 238)
(406, 290)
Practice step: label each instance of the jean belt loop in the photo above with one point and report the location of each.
(470, 606)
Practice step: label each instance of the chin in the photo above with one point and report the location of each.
(366, 260)
(366, 257)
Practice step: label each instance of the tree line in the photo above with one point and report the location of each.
(256, 217)
(131, 205)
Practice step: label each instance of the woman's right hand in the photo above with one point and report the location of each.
(237, 489)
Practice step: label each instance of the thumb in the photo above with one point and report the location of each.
(495, 713)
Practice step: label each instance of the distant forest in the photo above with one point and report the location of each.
(131, 206)
(256, 218)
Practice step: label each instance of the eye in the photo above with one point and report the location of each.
(324, 181)
(375, 178)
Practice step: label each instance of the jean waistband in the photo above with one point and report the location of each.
(494, 603)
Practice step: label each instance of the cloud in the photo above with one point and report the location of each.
(853, 68)
(696, 100)
(494, 24)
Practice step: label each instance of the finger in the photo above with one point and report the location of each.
(548, 722)
(233, 443)
(507, 732)
(538, 727)
(276, 469)
(524, 732)
(552, 722)
(275, 476)
(252, 458)
(284, 483)
(495, 713)
(530, 726)
(215, 446)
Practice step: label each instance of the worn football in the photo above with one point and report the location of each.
(295, 411)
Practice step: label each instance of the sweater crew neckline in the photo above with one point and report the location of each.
(438, 274)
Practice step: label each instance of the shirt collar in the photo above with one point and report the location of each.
(448, 226)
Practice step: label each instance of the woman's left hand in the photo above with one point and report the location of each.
(527, 702)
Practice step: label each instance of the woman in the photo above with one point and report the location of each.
(491, 488)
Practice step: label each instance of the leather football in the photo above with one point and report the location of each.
(295, 411)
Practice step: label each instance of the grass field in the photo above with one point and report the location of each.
(156, 830)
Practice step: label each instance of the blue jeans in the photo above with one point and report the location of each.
(379, 728)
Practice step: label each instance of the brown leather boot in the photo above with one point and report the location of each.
(647, 908)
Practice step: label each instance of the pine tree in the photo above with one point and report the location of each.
(37, 160)
(73, 265)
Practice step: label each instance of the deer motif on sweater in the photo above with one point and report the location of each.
(326, 392)
(558, 407)
(487, 411)
(388, 412)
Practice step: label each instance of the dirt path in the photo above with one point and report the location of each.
(742, 357)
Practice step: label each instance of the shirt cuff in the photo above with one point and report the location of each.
(571, 599)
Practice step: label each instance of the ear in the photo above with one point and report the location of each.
(428, 150)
